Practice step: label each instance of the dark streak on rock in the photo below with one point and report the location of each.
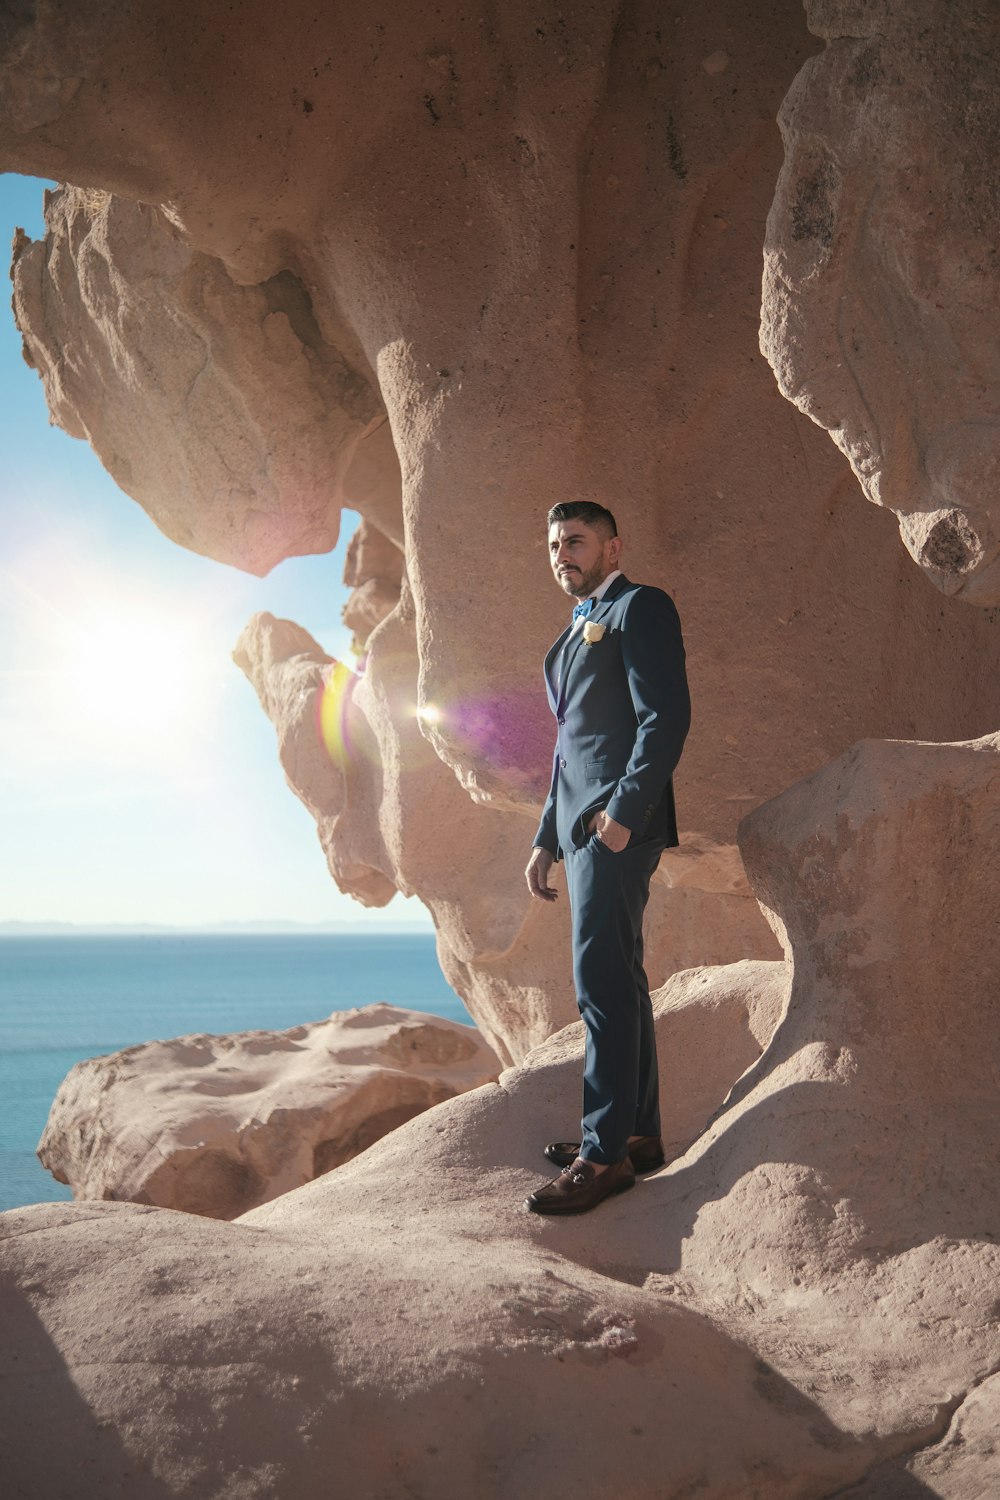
(866, 70)
(674, 152)
(812, 210)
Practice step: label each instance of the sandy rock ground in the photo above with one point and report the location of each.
(803, 1302)
(397, 1331)
(217, 1125)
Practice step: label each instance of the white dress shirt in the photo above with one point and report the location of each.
(597, 595)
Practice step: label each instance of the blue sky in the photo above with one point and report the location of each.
(127, 796)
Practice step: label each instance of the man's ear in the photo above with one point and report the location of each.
(614, 550)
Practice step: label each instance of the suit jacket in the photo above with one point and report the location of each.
(623, 711)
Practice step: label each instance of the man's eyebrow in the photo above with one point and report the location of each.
(573, 536)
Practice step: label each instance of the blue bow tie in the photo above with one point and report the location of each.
(583, 609)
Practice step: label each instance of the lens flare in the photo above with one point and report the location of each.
(334, 702)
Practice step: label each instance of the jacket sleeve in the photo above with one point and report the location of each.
(653, 656)
(546, 837)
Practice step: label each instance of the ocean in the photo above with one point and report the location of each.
(66, 998)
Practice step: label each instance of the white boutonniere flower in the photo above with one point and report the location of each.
(593, 631)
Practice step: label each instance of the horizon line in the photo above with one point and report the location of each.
(12, 926)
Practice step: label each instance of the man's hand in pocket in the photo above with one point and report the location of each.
(614, 835)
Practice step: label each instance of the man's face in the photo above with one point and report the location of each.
(581, 557)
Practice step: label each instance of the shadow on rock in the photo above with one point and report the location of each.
(53, 1442)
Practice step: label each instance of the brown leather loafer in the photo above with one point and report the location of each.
(579, 1188)
(645, 1154)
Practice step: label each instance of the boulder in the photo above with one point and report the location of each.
(840, 1210)
(216, 1125)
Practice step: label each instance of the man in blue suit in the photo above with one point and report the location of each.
(617, 687)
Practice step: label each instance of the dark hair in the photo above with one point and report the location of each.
(596, 516)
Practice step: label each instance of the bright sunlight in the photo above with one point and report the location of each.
(111, 668)
(131, 678)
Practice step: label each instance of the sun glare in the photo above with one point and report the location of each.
(130, 680)
(116, 672)
(128, 674)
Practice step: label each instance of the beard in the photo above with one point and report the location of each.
(582, 584)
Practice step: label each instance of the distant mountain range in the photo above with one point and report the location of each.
(276, 927)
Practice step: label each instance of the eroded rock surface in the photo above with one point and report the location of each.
(711, 1026)
(435, 1290)
(962, 1465)
(178, 375)
(882, 280)
(531, 273)
(217, 1125)
(842, 1205)
(821, 1265)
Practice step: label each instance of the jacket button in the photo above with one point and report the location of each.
(562, 765)
(560, 720)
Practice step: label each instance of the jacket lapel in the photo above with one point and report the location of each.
(569, 644)
(621, 582)
(566, 661)
(551, 669)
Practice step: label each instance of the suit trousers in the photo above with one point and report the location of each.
(608, 894)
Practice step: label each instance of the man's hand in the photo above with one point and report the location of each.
(537, 875)
(614, 835)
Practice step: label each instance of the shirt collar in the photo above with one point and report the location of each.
(599, 594)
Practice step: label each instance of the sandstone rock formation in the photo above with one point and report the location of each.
(177, 377)
(374, 570)
(531, 272)
(882, 280)
(217, 1125)
(820, 1266)
(712, 1026)
(328, 1290)
(465, 861)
